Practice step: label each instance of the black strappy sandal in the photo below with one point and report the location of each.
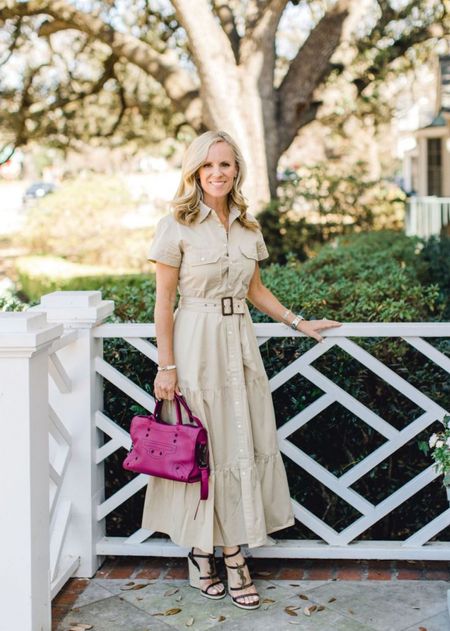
(195, 578)
(236, 599)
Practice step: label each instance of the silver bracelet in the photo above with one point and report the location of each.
(171, 367)
(295, 321)
(284, 316)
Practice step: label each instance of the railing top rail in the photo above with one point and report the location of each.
(64, 340)
(429, 198)
(275, 329)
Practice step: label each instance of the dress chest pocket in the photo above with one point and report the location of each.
(249, 250)
(205, 266)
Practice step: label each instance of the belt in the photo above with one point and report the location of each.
(226, 305)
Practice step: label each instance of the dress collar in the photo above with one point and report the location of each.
(205, 210)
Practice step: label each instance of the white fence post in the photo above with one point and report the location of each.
(24, 527)
(83, 484)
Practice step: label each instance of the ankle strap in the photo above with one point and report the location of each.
(233, 554)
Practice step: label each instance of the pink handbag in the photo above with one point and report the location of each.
(166, 450)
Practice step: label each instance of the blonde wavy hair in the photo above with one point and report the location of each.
(186, 203)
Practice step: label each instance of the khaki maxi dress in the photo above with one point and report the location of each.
(222, 377)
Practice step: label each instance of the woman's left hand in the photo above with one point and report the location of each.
(311, 328)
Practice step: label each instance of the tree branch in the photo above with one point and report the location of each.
(108, 73)
(14, 39)
(225, 14)
(308, 69)
(261, 29)
(164, 68)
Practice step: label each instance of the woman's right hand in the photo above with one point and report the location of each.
(166, 384)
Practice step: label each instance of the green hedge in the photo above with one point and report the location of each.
(374, 277)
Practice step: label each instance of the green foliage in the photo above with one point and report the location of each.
(316, 204)
(436, 268)
(363, 277)
(439, 443)
(83, 223)
(12, 304)
(41, 275)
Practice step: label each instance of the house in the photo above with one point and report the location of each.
(426, 166)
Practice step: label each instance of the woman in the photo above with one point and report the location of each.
(209, 248)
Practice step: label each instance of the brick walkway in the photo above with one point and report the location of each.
(270, 569)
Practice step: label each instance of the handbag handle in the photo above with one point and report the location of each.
(178, 399)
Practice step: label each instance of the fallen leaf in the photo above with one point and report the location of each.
(350, 611)
(81, 626)
(293, 607)
(171, 591)
(189, 622)
(268, 600)
(289, 611)
(172, 611)
(271, 587)
(312, 608)
(306, 611)
(294, 622)
(422, 629)
(131, 586)
(303, 596)
(294, 584)
(320, 607)
(159, 613)
(218, 618)
(179, 598)
(332, 599)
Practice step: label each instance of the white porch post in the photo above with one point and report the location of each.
(84, 480)
(24, 526)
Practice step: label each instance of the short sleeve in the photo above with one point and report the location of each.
(165, 246)
(261, 247)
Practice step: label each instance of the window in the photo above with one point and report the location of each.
(434, 166)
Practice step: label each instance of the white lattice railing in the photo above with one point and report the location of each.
(63, 564)
(426, 216)
(330, 543)
(57, 425)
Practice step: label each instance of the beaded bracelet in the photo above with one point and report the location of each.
(171, 367)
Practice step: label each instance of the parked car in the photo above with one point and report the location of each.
(38, 190)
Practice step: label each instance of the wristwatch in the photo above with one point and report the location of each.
(295, 321)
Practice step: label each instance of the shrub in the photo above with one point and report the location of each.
(364, 277)
(316, 204)
(83, 223)
(435, 256)
(39, 275)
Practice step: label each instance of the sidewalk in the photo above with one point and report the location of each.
(132, 594)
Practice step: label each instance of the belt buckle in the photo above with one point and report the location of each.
(230, 298)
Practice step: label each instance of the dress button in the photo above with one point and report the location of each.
(203, 258)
